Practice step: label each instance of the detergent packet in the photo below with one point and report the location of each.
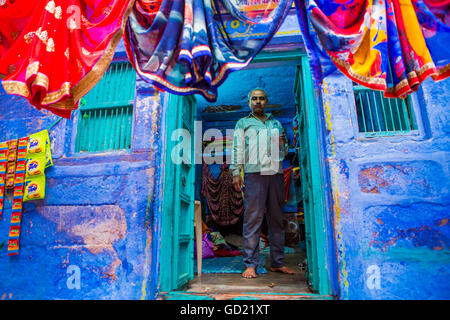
(37, 142)
(34, 188)
(36, 164)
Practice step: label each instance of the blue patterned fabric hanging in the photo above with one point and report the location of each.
(184, 47)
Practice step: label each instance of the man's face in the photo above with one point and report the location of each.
(258, 101)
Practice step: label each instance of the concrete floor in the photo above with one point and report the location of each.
(271, 282)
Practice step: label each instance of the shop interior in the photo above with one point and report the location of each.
(222, 210)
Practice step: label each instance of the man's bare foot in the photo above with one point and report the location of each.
(249, 273)
(283, 269)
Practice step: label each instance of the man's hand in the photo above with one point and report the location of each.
(237, 182)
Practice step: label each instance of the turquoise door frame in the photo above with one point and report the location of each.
(322, 268)
(177, 221)
(317, 230)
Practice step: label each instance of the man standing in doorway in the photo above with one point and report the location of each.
(259, 147)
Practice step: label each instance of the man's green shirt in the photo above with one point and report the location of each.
(256, 146)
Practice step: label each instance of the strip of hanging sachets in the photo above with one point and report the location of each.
(3, 163)
(18, 185)
(11, 164)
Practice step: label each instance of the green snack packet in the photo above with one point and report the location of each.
(34, 188)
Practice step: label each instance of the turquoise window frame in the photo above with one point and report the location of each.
(416, 105)
(109, 106)
(378, 116)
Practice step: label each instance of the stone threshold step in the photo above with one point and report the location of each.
(183, 295)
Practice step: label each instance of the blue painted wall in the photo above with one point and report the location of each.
(391, 198)
(96, 216)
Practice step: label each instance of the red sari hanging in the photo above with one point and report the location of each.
(52, 52)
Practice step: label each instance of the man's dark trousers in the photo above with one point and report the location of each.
(261, 192)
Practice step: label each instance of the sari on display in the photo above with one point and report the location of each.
(52, 52)
(387, 45)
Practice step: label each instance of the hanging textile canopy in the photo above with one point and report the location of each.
(53, 52)
(387, 45)
(184, 47)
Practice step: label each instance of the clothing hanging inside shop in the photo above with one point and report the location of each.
(224, 202)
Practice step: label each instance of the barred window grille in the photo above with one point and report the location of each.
(378, 115)
(107, 112)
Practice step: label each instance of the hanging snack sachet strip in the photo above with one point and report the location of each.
(19, 181)
(22, 165)
(3, 164)
(11, 164)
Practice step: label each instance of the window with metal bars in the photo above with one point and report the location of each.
(380, 116)
(106, 112)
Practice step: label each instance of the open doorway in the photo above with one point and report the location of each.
(288, 83)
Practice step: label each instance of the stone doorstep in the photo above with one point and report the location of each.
(180, 295)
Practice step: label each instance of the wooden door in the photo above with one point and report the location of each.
(312, 180)
(177, 243)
